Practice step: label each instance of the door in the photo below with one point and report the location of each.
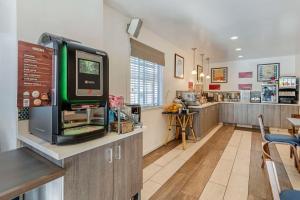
(89, 175)
(287, 111)
(128, 172)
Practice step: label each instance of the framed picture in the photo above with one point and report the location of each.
(268, 72)
(199, 71)
(179, 67)
(219, 75)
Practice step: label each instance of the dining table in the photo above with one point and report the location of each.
(295, 122)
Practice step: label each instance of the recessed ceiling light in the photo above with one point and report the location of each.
(234, 37)
(240, 56)
(238, 49)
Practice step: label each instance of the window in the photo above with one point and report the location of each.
(145, 82)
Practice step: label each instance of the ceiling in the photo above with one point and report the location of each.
(266, 28)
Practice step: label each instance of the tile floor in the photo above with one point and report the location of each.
(230, 178)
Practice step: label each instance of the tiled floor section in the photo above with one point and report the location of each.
(155, 155)
(230, 178)
(157, 173)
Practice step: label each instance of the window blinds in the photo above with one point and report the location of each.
(145, 83)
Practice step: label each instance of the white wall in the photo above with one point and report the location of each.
(116, 43)
(287, 67)
(8, 75)
(79, 20)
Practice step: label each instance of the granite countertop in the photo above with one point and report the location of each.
(60, 152)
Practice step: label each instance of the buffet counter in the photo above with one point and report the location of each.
(242, 113)
(98, 162)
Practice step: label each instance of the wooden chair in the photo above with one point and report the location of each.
(276, 190)
(293, 142)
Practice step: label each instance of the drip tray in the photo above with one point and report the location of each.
(82, 130)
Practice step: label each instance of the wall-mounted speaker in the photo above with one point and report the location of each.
(134, 27)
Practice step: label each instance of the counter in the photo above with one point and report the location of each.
(22, 170)
(65, 151)
(241, 114)
(109, 167)
(214, 103)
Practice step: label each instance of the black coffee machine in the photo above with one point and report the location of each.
(80, 94)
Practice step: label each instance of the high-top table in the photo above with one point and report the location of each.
(22, 170)
(184, 120)
(295, 124)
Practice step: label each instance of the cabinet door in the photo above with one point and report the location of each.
(241, 114)
(202, 123)
(89, 175)
(272, 116)
(254, 111)
(287, 111)
(228, 113)
(217, 107)
(208, 118)
(128, 172)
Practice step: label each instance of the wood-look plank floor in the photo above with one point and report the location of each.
(156, 154)
(190, 180)
(259, 187)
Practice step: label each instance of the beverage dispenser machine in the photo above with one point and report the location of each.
(79, 97)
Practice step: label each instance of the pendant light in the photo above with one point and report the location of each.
(194, 72)
(208, 76)
(202, 73)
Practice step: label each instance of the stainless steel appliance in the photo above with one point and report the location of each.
(288, 89)
(255, 97)
(80, 94)
(188, 98)
(269, 93)
(135, 112)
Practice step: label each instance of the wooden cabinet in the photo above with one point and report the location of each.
(89, 175)
(254, 110)
(271, 115)
(241, 114)
(206, 119)
(287, 111)
(110, 172)
(128, 177)
(227, 113)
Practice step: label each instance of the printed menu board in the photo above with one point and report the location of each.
(34, 75)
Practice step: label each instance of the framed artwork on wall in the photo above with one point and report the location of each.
(199, 71)
(219, 75)
(179, 67)
(268, 72)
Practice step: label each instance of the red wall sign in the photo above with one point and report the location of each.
(245, 75)
(245, 86)
(214, 87)
(34, 75)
